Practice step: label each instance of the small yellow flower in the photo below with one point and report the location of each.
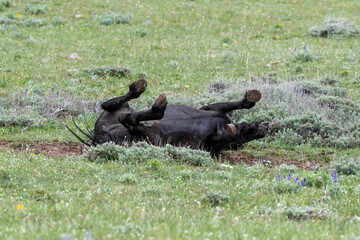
(8, 151)
(161, 21)
(45, 135)
(235, 41)
(148, 16)
(245, 51)
(18, 15)
(279, 153)
(31, 154)
(51, 209)
(20, 207)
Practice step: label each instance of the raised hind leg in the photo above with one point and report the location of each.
(135, 90)
(132, 121)
(250, 98)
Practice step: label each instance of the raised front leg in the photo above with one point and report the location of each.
(135, 90)
(250, 98)
(132, 120)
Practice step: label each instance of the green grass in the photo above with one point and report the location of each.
(180, 47)
(113, 200)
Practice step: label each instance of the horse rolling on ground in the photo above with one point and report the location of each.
(209, 128)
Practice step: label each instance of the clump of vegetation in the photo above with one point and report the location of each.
(35, 109)
(35, 22)
(306, 212)
(350, 167)
(113, 18)
(144, 152)
(8, 19)
(35, 9)
(4, 4)
(58, 20)
(303, 55)
(216, 198)
(118, 72)
(330, 80)
(141, 33)
(337, 191)
(335, 28)
(287, 187)
(284, 168)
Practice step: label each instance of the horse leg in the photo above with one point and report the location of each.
(250, 98)
(132, 120)
(135, 90)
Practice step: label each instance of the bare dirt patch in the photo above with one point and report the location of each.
(54, 149)
(235, 158)
(58, 149)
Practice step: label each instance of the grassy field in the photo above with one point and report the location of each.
(56, 62)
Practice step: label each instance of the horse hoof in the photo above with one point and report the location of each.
(253, 96)
(160, 101)
(138, 87)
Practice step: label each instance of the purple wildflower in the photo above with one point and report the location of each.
(39, 93)
(297, 180)
(94, 14)
(295, 49)
(279, 177)
(319, 200)
(323, 200)
(303, 182)
(52, 93)
(305, 48)
(130, 16)
(289, 176)
(314, 165)
(26, 92)
(335, 176)
(313, 202)
(5, 27)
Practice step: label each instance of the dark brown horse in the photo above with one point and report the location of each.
(209, 128)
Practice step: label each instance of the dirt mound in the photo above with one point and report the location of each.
(58, 149)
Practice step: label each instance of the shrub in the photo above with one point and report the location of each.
(35, 9)
(113, 18)
(141, 33)
(35, 22)
(306, 212)
(216, 198)
(118, 72)
(335, 28)
(284, 168)
(303, 55)
(58, 20)
(25, 109)
(337, 191)
(5, 3)
(350, 167)
(144, 152)
(286, 186)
